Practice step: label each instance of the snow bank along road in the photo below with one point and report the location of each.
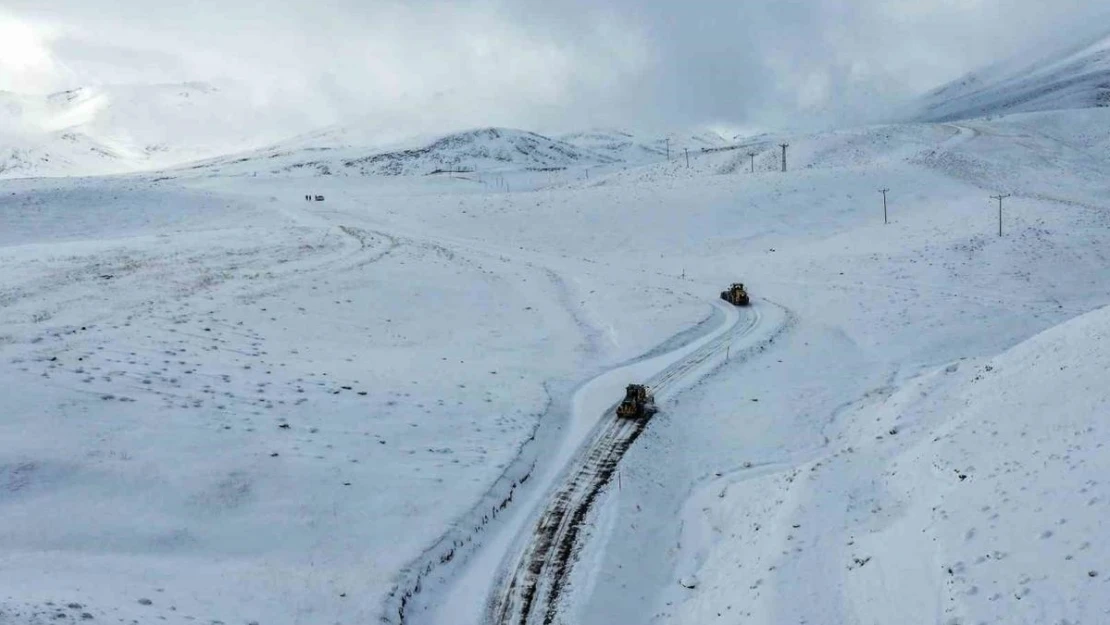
(536, 574)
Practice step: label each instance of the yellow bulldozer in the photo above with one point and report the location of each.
(638, 402)
(736, 295)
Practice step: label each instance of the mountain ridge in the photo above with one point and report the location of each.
(1071, 77)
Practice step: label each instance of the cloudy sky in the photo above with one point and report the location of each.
(542, 64)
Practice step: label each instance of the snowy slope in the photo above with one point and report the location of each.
(1007, 480)
(123, 128)
(1078, 77)
(973, 494)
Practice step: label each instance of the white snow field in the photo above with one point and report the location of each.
(225, 403)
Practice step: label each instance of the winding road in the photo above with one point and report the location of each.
(516, 570)
(534, 577)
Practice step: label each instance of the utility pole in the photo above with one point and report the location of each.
(784, 146)
(752, 155)
(668, 148)
(884, 192)
(687, 151)
(1000, 197)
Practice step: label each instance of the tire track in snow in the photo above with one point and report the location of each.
(536, 579)
(373, 246)
(435, 565)
(610, 440)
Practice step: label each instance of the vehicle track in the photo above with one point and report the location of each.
(536, 579)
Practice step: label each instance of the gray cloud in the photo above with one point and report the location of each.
(544, 64)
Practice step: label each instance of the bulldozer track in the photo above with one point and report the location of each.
(535, 580)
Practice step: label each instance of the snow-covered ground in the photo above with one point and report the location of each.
(224, 402)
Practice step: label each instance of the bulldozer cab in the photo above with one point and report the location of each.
(736, 294)
(635, 392)
(637, 402)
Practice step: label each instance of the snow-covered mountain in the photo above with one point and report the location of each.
(354, 151)
(122, 128)
(212, 129)
(349, 152)
(487, 148)
(1073, 78)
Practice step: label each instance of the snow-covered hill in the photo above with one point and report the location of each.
(484, 149)
(217, 130)
(974, 494)
(346, 152)
(124, 128)
(59, 154)
(1076, 77)
(355, 151)
(636, 148)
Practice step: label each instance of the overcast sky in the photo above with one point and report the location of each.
(541, 64)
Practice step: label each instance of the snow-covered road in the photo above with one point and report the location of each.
(576, 467)
(535, 577)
